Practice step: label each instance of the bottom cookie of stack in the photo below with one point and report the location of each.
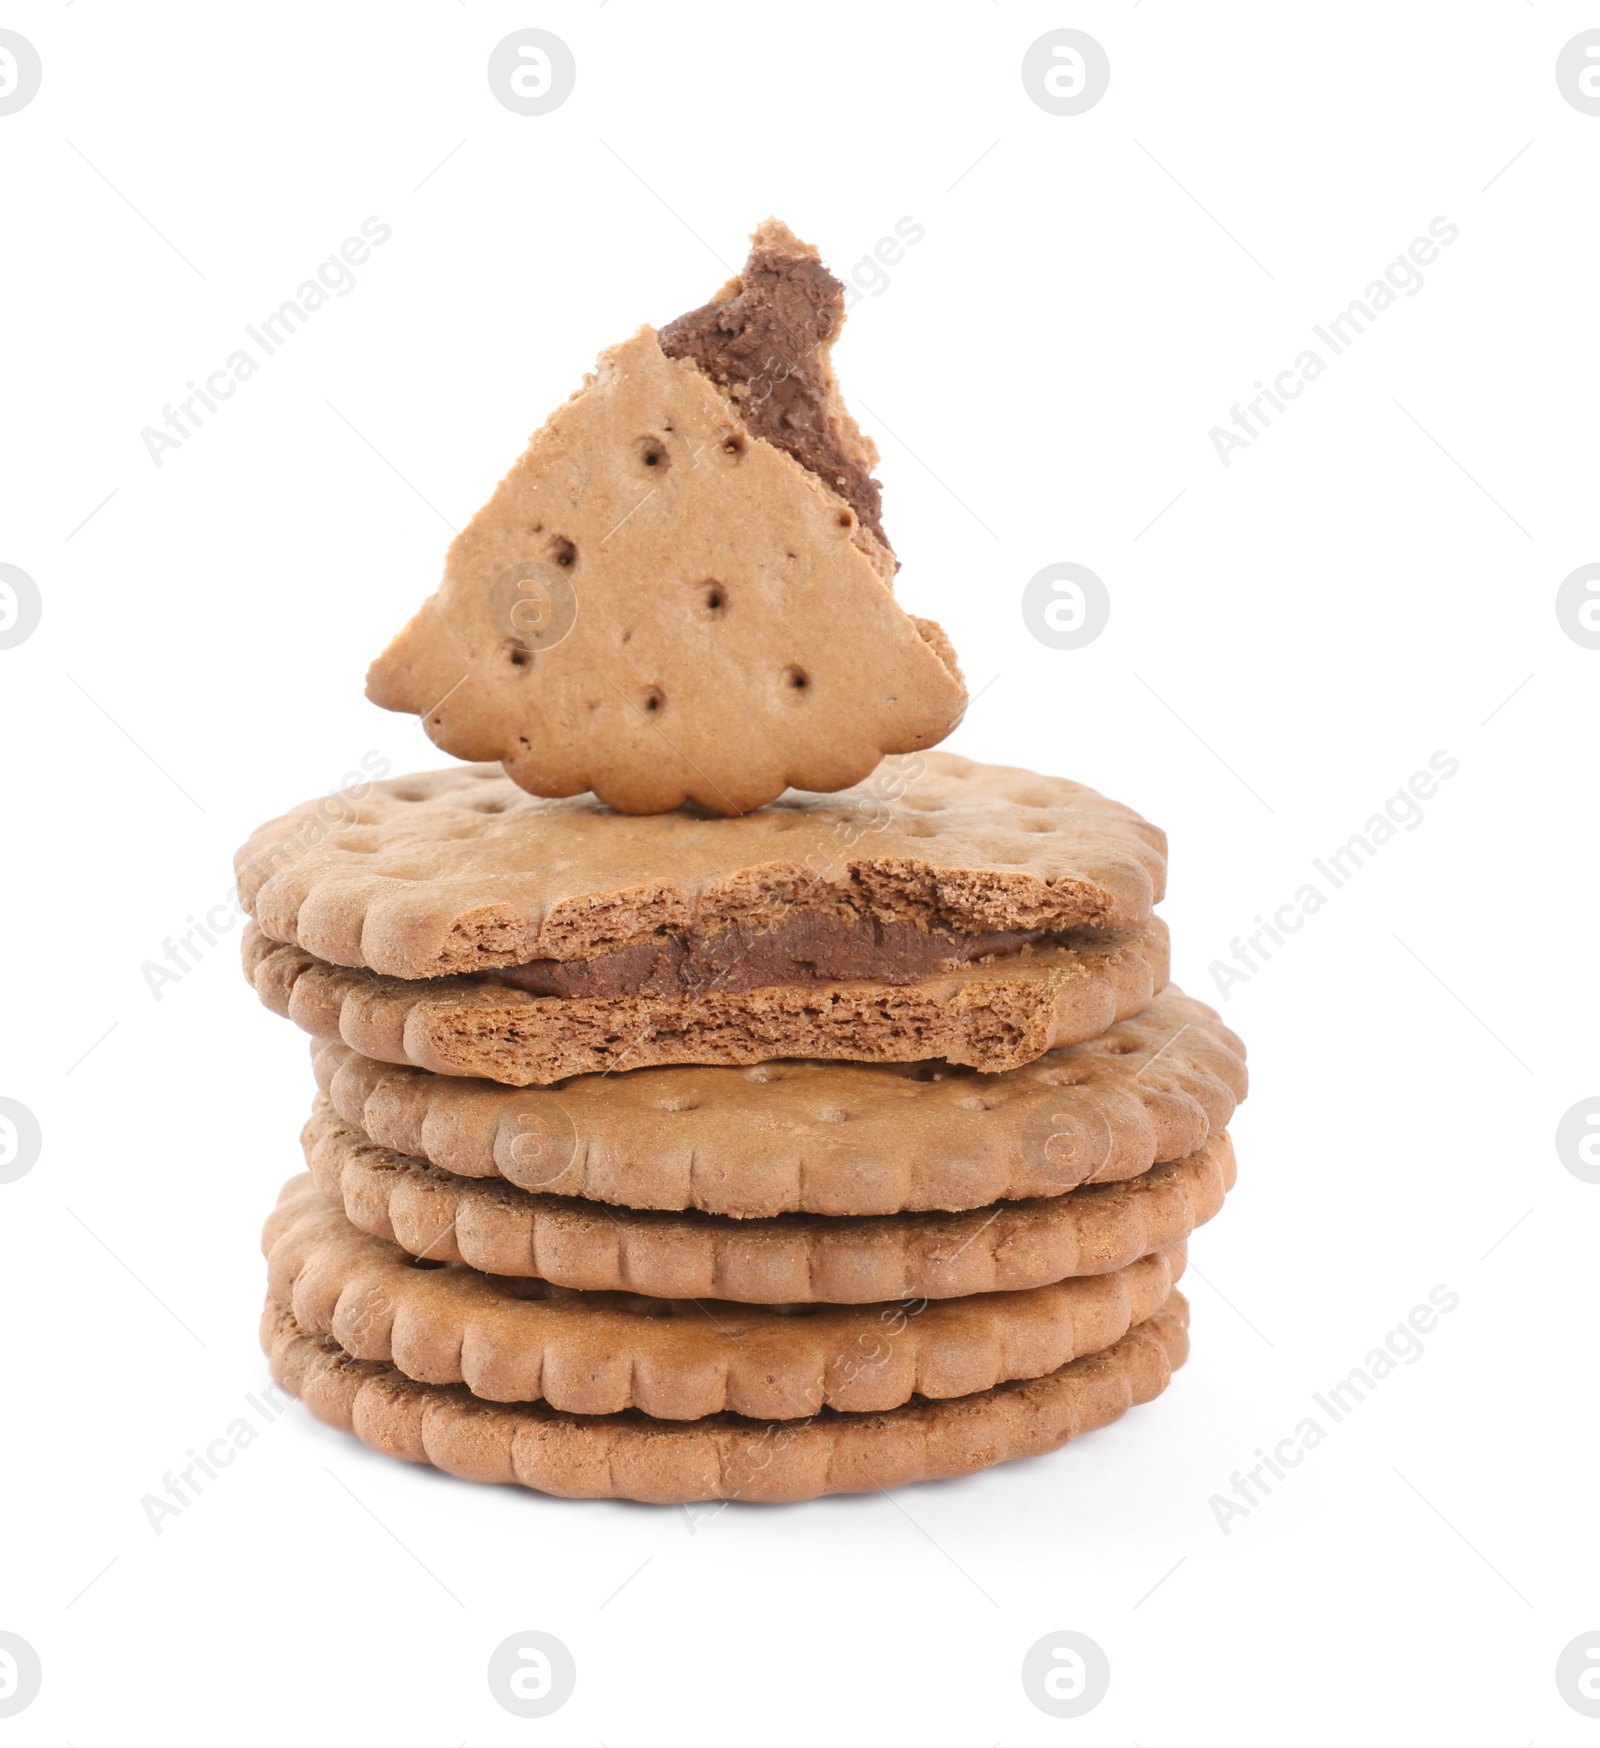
(631, 1455)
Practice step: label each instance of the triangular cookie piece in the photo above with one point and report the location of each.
(665, 600)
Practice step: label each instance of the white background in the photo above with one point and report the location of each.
(1371, 581)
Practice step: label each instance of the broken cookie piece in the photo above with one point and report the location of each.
(679, 592)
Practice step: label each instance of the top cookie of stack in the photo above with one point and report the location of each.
(717, 841)
(944, 909)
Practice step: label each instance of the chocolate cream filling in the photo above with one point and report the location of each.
(765, 339)
(800, 947)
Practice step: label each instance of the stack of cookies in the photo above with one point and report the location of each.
(721, 1096)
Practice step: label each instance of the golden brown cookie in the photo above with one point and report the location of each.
(512, 1339)
(726, 1457)
(995, 1014)
(459, 870)
(790, 1259)
(820, 1137)
(659, 605)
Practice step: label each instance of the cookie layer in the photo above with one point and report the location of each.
(460, 870)
(518, 1340)
(791, 1259)
(820, 1137)
(994, 1015)
(630, 1456)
